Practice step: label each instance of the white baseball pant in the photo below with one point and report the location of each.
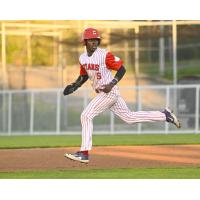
(116, 104)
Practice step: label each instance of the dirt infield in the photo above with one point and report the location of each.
(101, 158)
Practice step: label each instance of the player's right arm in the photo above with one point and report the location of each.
(114, 63)
(83, 77)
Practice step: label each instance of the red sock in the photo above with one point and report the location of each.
(85, 153)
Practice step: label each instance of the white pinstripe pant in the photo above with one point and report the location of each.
(116, 104)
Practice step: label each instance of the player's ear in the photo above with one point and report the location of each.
(83, 42)
(99, 42)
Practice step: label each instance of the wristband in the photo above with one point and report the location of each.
(114, 81)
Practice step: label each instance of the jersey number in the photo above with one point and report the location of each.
(98, 75)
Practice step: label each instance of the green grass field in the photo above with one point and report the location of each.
(102, 140)
(160, 173)
(98, 140)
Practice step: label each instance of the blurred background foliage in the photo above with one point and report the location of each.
(53, 52)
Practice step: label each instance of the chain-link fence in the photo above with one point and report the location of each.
(29, 112)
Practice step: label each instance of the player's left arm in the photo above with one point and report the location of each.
(83, 77)
(114, 63)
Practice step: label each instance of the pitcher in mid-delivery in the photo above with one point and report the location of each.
(97, 64)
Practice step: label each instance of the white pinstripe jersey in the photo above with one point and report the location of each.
(98, 66)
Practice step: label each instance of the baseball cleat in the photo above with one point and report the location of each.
(171, 117)
(78, 156)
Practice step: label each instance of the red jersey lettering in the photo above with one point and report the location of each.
(82, 70)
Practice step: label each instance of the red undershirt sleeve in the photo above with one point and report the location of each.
(113, 62)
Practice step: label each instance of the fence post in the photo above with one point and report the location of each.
(9, 112)
(167, 104)
(85, 100)
(197, 110)
(112, 122)
(139, 127)
(58, 113)
(174, 36)
(32, 112)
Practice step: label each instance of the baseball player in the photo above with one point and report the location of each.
(96, 64)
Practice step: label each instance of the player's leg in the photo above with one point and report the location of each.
(120, 108)
(99, 104)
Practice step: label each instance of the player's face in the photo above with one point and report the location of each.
(91, 45)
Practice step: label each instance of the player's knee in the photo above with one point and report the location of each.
(129, 119)
(85, 116)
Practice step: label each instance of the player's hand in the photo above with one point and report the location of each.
(107, 88)
(69, 89)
